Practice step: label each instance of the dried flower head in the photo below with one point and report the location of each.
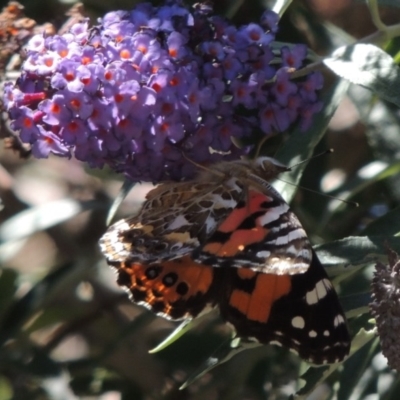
(385, 307)
(15, 30)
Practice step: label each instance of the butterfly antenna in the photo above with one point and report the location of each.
(323, 153)
(201, 166)
(353, 203)
(260, 145)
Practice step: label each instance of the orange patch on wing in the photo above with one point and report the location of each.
(237, 242)
(246, 273)
(256, 306)
(197, 277)
(240, 238)
(240, 301)
(238, 215)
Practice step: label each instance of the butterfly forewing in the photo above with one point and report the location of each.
(174, 220)
(262, 234)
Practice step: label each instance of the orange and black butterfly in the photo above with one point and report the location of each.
(227, 239)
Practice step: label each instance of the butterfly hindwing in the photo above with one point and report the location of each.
(176, 289)
(301, 312)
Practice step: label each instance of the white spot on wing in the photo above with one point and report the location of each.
(273, 214)
(263, 254)
(292, 236)
(305, 253)
(338, 320)
(279, 266)
(178, 222)
(312, 334)
(210, 224)
(298, 322)
(319, 292)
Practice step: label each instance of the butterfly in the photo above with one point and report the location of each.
(227, 239)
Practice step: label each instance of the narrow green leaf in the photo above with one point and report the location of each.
(42, 217)
(281, 6)
(224, 353)
(6, 391)
(363, 348)
(184, 327)
(123, 192)
(356, 304)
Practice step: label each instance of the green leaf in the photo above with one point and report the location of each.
(355, 251)
(388, 224)
(123, 192)
(281, 6)
(6, 392)
(224, 353)
(312, 377)
(183, 328)
(362, 338)
(24, 308)
(368, 66)
(363, 349)
(316, 375)
(356, 304)
(42, 217)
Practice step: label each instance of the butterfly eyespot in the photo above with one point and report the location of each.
(153, 271)
(182, 288)
(170, 279)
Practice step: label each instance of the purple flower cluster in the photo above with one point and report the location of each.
(148, 91)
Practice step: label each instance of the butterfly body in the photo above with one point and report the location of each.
(228, 239)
